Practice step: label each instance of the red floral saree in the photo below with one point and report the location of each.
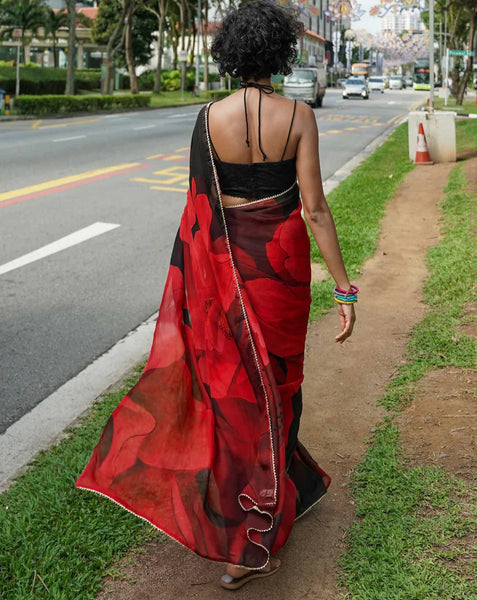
(204, 446)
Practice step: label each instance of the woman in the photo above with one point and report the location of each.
(205, 445)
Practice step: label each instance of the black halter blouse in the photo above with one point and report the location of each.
(257, 180)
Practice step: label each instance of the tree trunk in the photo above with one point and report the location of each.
(111, 49)
(469, 67)
(160, 52)
(129, 50)
(70, 74)
(205, 42)
(55, 54)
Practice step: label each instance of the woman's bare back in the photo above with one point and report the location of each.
(228, 130)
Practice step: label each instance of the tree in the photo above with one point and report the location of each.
(26, 15)
(54, 21)
(71, 54)
(108, 30)
(461, 19)
(127, 30)
(159, 8)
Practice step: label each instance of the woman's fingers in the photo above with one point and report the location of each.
(347, 320)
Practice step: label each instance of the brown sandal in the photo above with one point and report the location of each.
(234, 583)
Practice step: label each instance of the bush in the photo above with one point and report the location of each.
(47, 80)
(171, 80)
(146, 80)
(219, 94)
(60, 104)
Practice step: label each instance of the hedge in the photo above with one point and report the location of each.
(219, 94)
(60, 104)
(47, 80)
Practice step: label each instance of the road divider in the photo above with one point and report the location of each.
(73, 239)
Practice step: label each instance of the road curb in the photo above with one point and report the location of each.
(45, 424)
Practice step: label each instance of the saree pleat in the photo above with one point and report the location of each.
(205, 445)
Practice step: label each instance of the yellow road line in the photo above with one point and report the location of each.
(154, 156)
(46, 185)
(168, 189)
(37, 126)
(186, 149)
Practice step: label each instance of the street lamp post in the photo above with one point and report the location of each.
(431, 55)
(197, 61)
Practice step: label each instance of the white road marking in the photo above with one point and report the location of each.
(143, 127)
(184, 116)
(82, 235)
(76, 137)
(392, 102)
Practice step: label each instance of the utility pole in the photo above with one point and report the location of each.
(197, 59)
(431, 56)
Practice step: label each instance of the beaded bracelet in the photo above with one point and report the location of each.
(346, 297)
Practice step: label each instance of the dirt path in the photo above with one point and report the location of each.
(342, 386)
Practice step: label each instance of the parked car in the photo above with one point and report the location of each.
(341, 82)
(376, 84)
(395, 82)
(408, 80)
(307, 84)
(356, 86)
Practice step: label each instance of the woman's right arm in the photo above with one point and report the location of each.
(317, 212)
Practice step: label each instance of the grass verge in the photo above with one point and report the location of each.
(466, 132)
(410, 539)
(468, 105)
(57, 542)
(358, 205)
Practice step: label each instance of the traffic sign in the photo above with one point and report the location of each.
(461, 53)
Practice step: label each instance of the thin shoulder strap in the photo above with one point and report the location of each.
(289, 131)
(210, 137)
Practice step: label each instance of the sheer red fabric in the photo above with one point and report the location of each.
(204, 446)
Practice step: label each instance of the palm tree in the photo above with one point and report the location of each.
(25, 15)
(55, 20)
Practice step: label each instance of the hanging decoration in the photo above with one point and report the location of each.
(346, 9)
(396, 6)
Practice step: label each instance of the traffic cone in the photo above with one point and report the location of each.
(422, 153)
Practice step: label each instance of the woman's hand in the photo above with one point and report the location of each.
(347, 319)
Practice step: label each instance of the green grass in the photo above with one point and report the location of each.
(66, 536)
(466, 132)
(412, 536)
(174, 98)
(358, 205)
(437, 341)
(468, 105)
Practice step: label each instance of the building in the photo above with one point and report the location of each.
(407, 20)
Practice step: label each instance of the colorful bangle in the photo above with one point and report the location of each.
(346, 297)
(352, 290)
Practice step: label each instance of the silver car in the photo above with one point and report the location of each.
(395, 82)
(357, 87)
(376, 84)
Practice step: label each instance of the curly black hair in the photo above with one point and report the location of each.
(257, 40)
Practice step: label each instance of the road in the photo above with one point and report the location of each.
(89, 208)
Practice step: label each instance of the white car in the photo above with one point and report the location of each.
(395, 82)
(355, 86)
(376, 84)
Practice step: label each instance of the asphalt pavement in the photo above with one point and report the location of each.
(89, 208)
